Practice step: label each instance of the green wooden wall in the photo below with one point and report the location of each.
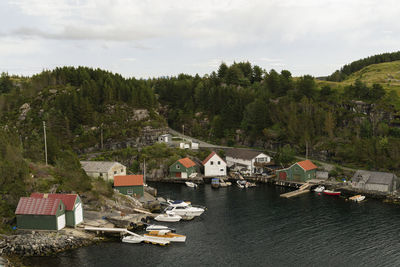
(296, 173)
(136, 189)
(173, 169)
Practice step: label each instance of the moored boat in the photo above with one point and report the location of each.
(133, 239)
(191, 184)
(332, 193)
(319, 189)
(215, 182)
(357, 198)
(166, 235)
(154, 227)
(168, 217)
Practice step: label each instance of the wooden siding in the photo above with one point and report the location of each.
(296, 173)
(136, 190)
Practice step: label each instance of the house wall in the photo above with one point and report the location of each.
(296, 173)
(136, 189)
(40, 222)
(185, 172)
(117, 169)
(215, 168)
(378, 187)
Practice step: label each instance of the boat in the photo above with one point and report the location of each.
(357, 198)
(154, 227)
(134, 239)
(331, 193)
(215, 183)
(240, 185)
(166, 235)
(319, 189)
(190, 184)
(248, 185)
(185, 209)
(168, 217)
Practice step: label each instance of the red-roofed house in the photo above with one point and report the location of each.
(40, 214)
(300, 171)
(73, 206)
(214, 165)
(183, 168)
(131, 185)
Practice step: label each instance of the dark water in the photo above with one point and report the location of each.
(255, 227)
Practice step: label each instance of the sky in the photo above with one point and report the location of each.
(153, 38)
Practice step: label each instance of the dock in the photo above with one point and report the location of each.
(151, 240)
(302, 190)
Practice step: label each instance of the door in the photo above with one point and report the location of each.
(60, 222)
(184, 175)
(282, 175)
(178, 174)
(78, 213)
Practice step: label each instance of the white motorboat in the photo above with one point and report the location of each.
(319, 189)
(184, 209)
(190, 184)
(155, 227)
(134, 239)
(166, 235)
(357, 198)
(168, 217)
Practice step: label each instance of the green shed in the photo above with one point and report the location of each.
(40, 214)
(131, 185)
(300, 172)
(73, 206)
(183, 168)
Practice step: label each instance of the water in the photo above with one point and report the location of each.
(255, 227)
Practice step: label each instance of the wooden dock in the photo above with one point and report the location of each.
(302, 190)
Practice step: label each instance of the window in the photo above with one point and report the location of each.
(219, 162)
(177, 166)
(211, 162)
(122, 170)
(115, 172)
(129, 191)
(221, 170)
(101, 174)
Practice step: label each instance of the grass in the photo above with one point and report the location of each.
(385, 74)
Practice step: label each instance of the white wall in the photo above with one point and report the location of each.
(249, 163)
(212, 168)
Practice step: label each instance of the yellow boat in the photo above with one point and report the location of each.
(166, 235)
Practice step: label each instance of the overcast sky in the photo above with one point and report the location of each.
(151, 38)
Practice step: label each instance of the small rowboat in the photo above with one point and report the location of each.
(357, 198)
(190, 184)
(331, 193)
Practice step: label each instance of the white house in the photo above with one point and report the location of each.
(246, 159)
(104, 169)
(214, 165)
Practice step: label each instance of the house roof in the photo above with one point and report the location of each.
(242, 153)
(307, 165)
(373, 177)
(187, 163)
(210, 156)
(68, 199)
(128, 180)
(37, 206)
(98, 166)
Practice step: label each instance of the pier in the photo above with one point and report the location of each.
(302, 190)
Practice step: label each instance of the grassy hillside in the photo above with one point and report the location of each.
(385, 74)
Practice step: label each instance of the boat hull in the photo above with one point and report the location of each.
(331, 193)
(171, 239)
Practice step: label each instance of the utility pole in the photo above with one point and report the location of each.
(144, 172)
(45, 141)
(101, 136)
(183, 129)
(306, 150)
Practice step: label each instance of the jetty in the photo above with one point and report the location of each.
(305, 188)
(126, 231)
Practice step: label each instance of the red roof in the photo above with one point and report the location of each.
(37, 206)
(187, 162)
(68, 199)
(128, 180)
(307, 165)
